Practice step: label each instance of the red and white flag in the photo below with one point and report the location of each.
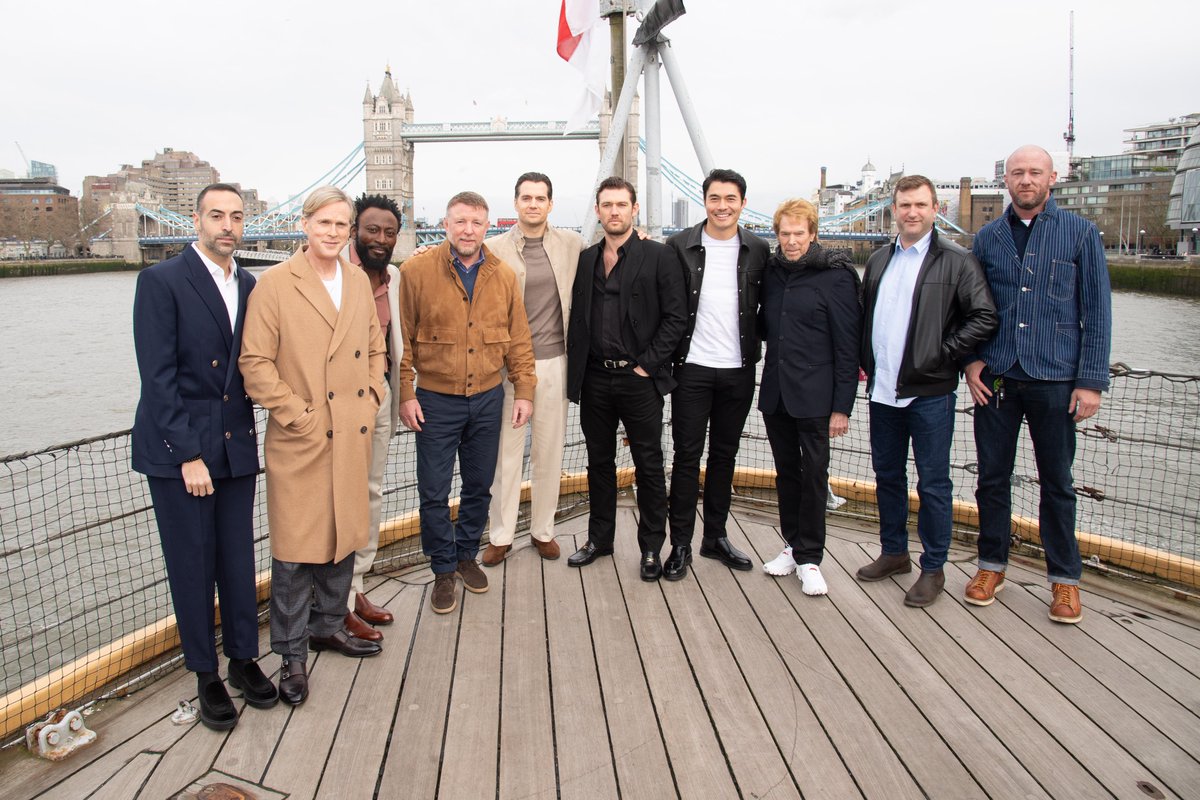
(576, 22)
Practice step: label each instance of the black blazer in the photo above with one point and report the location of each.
(192, 401)
(811, 322)
(653, 311)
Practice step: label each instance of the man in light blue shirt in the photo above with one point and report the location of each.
(926, 305)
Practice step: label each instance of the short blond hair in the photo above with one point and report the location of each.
(800, 209)
(323, 196)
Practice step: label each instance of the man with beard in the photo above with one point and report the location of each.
(1047, 365)
(628, 314)
(372, 241)
(723, 266)
(194, 439)
(462, 320)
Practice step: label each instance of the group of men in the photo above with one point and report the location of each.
(474, 339)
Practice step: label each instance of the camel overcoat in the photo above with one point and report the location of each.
(301, 354)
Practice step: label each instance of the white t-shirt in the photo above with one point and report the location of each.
(334, 286)
(717, 338)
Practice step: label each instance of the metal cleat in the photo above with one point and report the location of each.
(185, 714)
(59, 735)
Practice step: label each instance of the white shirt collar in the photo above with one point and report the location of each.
(215, 269)
(920, 248)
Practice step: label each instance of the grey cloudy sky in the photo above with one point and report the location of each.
(270, 92)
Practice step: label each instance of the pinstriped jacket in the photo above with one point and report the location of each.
(1055, 304)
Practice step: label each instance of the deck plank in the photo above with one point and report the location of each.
(129, 779)
(698, 760)
(526, 721)
(352, 768)
(882, 694)
(643, 769)
(1095, 714)
(413, 758)
(296, 767)
(187, 759)
(156, 738)
(585, 765)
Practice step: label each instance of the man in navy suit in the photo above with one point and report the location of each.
(194, 438)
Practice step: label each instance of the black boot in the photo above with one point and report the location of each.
(675, 567)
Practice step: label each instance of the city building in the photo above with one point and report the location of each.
(1183, 206)
(679, 212)
(388, 156)
(171, 179)
(40, 169)
(34, 209)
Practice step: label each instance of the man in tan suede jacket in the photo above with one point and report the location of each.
(463, 319)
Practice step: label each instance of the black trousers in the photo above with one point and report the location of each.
(610, 397)
(712, 402)
(801, 451)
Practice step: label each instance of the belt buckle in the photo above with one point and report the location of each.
(612, 363)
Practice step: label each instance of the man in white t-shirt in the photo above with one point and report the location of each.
(723, 265)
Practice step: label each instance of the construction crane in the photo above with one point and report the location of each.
(23, 158)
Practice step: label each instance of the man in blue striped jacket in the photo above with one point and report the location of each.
(1047, 363)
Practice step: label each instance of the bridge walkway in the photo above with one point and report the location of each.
(592, 684)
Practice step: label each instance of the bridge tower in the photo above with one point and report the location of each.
(389, 157)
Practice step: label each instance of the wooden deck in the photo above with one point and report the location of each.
(591, 684)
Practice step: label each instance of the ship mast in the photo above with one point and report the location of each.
(1069, 136)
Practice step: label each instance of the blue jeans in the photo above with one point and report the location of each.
(997, 426)
(468, 427)
(928, 422)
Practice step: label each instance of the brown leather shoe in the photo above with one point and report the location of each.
(494, 554)
(885, 566)
(927, 589)
(444, 597)
(547, 550)
(358, 627)
(376, 615)
(1065, 607)
(472, 576)
(981, 591)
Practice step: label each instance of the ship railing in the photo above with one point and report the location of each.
(85, 610)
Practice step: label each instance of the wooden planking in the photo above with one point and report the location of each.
(637, 746)
(156, 738)
(187, 759)
(411, 766)
(249, 747)
(296, 767)
(526, 722)
(470, 752)
(860, 745)
(1084, 716)
(125, 784)
(352, 768)
(930, 759)
(696, 756)
(585, 766)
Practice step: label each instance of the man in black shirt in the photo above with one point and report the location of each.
(629, 313)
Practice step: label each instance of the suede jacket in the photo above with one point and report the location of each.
(454, 344)
(953, 313)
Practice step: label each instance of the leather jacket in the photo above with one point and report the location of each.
(953, 313)
(752, 263)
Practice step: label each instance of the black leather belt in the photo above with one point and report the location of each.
(616, 363)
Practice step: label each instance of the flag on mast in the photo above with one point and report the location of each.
(576, 21)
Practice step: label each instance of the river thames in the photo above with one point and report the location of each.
(69, 370)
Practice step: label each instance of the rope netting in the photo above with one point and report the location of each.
(85, 606)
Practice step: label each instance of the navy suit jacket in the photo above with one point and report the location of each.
(192, 401)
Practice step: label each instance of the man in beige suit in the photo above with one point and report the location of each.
(313, 356)
(544, 259)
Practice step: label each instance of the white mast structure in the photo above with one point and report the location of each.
(650, 51)
(1069, 136)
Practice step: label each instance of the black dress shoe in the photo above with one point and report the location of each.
(675, 567)
(651, 567)
(246, 676)
(587, 554)
(293, 683)
(727, 554)
(216, 709)
(926, 589)
(344, 643)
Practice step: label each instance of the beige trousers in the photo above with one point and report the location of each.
(549, 427)
(380, 442)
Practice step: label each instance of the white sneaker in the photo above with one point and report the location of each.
(833, 502)
(782, 564)
(811, 580)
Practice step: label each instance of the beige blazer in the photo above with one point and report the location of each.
(319, 372)
(562, 248)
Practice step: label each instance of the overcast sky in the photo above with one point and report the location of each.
(270, 92)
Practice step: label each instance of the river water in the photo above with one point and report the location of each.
(69, 371)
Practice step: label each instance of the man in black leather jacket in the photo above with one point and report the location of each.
(926, 305)
(723, 265)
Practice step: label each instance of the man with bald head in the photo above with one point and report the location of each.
(1047, 364)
